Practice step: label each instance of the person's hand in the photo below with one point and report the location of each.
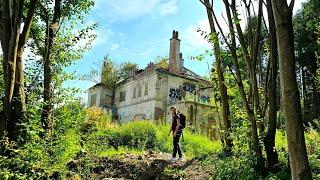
(174, 134)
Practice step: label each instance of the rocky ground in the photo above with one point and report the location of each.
(150, 165)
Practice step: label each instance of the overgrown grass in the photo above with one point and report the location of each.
(240, 165)
(143, 136)
(91, 133)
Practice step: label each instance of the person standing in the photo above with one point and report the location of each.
(176, 131)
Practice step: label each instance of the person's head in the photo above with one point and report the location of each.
(173, 110)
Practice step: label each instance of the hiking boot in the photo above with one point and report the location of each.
(173, 159)
(180, 159)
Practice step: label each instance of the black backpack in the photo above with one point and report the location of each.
(182, 121)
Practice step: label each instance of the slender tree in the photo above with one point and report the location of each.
(252, 111)
(222, 87)
(51, 27)
(298, 158)
(51, 18)
(269, 140)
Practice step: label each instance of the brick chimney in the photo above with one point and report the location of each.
(175, 57)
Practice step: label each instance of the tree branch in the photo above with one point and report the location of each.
(37, 41)
(44, 14)
(206, 5)
(291, 5)
(27, 24)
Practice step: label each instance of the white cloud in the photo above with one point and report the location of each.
(103, 36)
(243, 13)
(168, 8)
(124, 10)
(146, 52)
(114, 46)
(193, 38)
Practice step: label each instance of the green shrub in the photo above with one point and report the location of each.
(313, 148)
(139, 134)
(198, 145)
(133, 135)
(194, 145)
(145, 135)
(233, 168)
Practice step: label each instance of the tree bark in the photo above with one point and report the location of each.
(250, 113)
(299, 164)
(48, 90)
(269, 140)
(13, 43)
(222, 86)
(9, 43)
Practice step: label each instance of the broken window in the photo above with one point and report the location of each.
(122, 96)
(134, 92)
(93, 100)
(139, 91)
(146, 89)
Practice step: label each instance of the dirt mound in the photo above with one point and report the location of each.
(148, 166)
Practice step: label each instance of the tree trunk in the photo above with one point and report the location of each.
(48, 91)
(222, 86)
(115, 118)
(12, 43)
(304, 93)
(18, 102)
(269, 140)
(250, 113)
(9, 43)
(299, 164)
(255, 56)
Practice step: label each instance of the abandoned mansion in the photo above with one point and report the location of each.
(150, 92)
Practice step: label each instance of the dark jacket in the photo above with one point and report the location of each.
(174, 123)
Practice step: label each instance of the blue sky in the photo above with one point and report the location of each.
(139, 30)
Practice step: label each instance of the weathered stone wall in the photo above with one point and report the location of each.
(184, 95)
(139, 103)
(103, 96)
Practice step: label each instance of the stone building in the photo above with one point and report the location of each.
(149, 93)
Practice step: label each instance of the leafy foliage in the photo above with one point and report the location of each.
(306, 22)
(110, 73)
(162, 62)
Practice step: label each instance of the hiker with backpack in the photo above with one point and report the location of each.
(177, 126)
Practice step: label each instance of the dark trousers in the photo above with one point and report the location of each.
(176, 146)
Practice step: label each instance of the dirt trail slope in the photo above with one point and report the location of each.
(147, 166)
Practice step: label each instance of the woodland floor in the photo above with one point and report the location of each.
(150, 165)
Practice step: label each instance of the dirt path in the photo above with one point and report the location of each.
(150, 165)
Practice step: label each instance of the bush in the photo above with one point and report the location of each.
(194, 145)
(234, 168)
(97, 119)
(133, 135)
(140, 134)
(92, 130)
(313, 148)
(41, 157)
(145, 135)
(198, 145)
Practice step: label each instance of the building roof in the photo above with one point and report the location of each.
(98, 85)
(186, 74)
